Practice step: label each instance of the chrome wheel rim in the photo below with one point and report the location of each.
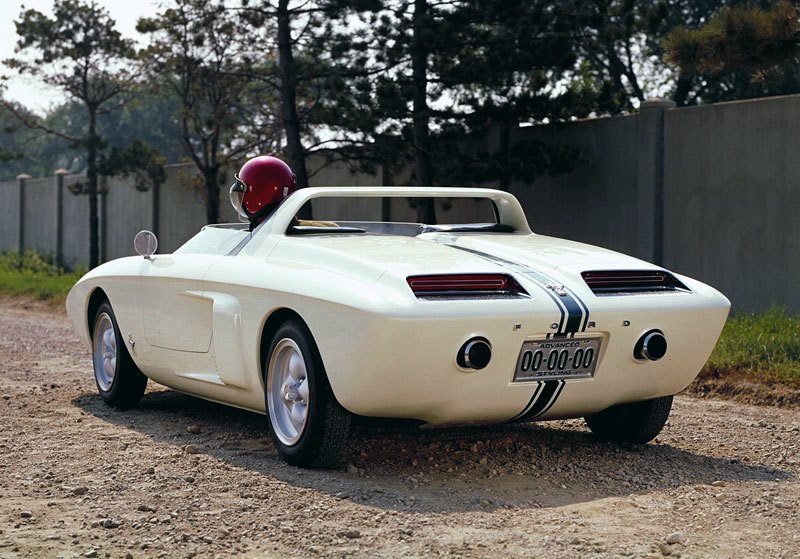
(287, 392)
(105, 352)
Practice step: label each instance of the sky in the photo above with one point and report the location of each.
(32, 94)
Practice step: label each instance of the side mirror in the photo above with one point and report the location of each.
(145, 243)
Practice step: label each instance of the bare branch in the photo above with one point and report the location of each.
(36, 124)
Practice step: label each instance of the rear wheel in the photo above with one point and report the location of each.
(638, 422)
(120, 383)
(308, 426)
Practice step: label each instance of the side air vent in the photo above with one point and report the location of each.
(631, 282)
(466, 286)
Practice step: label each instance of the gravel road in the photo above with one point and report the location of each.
(180, 477)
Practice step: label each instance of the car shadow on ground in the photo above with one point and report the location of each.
(395, 465)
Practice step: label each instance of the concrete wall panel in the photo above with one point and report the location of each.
(182, 207)
(9, 216)
(40, 215)
(597, 202)
(128, 211)
(732, 194)
(76, 224)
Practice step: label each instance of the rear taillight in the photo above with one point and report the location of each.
(622, 282)
(465, 285)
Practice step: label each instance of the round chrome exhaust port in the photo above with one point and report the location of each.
(652, 346)
(474, 354)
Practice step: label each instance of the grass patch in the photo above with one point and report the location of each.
(763, 348)
(34, 275)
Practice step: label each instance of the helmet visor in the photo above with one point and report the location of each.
(236, 194)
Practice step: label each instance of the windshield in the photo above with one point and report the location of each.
(424, 211)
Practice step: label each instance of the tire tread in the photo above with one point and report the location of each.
(637, 422)
(330, 424)
(129, 382)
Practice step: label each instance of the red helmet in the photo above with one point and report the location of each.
(261, 183)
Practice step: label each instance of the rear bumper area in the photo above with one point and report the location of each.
(406, 367)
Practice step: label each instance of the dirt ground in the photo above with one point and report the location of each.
(181, 477)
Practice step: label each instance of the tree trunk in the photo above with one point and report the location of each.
(291, 123)
(503, 155)
(617, 69)
(426, 211)
(91, 177)
(211, 179)
(684, 86)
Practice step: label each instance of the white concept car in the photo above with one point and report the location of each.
(448, 324)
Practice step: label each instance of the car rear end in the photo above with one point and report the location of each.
(563, 350)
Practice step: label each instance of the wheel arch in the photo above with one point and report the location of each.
(271, 325)
(95, 300)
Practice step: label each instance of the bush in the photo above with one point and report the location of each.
(35, 275)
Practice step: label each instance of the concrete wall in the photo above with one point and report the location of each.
(732, 198)
(711, 192)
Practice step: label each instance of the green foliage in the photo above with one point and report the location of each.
(740, 50)
(742, 38)
(15, 142)
(147, 117)
(77, 50)
(39, 154)
(150, 115)
(34, 275)
(765, 347)
(139, 159)
(621, 45)
(500, 66)
(199, 54)
(29, 261)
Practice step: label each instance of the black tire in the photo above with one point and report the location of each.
(326, 428)
(639, 422)
(125, 388)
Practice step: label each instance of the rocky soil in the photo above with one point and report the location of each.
(180, 477)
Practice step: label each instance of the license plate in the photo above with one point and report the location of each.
(557, 359)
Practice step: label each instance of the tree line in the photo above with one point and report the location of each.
(375, 83)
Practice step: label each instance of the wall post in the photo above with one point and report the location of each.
(156, 218)
(386, 202)
(21, 180)
(59, 176)
(650, 178)
(102, 193)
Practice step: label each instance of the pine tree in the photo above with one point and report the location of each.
(199, 53)
(80, 52)
(761, 45)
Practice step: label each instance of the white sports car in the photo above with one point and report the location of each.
(448, 324)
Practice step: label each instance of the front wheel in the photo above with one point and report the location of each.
(308, 426)
(638, 422)
(119, 381)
